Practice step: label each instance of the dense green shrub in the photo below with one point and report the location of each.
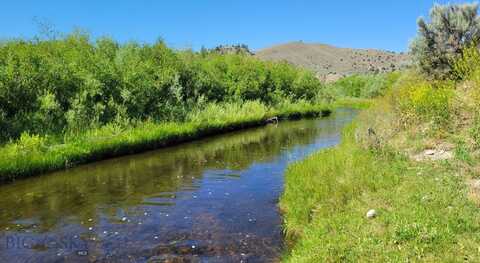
(363, 86)
(440, 42)
(73, 83)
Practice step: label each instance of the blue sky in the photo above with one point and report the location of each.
(384, 24)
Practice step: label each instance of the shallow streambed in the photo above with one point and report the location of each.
(211, 200)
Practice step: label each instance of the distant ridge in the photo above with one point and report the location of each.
(331, 63)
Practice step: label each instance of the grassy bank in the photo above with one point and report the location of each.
(424, 213)
(356, 103)
(413, 156)
(35, 154)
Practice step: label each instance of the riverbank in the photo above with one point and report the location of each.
(413, 158)
(423, 212)
(34, 155)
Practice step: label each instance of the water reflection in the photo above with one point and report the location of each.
(210, 200)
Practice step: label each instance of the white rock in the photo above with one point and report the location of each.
(371, 214)
(429, 152)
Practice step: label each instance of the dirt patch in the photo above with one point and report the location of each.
(433, 155)
(439, 153)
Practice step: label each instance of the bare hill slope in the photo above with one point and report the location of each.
(331, 63)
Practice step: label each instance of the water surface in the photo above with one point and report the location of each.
(213, 200)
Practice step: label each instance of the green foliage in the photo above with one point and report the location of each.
(440, 42)
(467, 65)
(418, 100)
(362, 86)
(215, 114)
(73, 84)
(475, 129)
(467, 69)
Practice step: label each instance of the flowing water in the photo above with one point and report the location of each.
(212, 200)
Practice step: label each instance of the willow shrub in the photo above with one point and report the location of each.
(363, 86)
(74, 84)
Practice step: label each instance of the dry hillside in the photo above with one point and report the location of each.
(331, 63)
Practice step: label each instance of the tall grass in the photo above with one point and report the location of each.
(35, 154)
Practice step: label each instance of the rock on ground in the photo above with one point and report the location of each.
(371, 214)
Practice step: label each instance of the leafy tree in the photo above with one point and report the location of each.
(440, 41)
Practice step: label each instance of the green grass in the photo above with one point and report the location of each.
(356, 103)
(34, 154)
(424, 213)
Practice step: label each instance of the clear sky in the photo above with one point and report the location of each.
(384, 24)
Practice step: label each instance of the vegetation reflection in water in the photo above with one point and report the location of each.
(211, 199)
